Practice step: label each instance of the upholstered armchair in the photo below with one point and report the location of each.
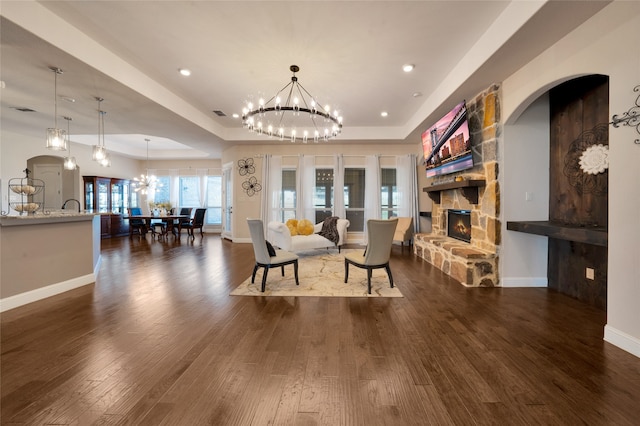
(380, 237)
(404, 230)
(278, 258)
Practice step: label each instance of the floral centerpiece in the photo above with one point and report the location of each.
(160, 209)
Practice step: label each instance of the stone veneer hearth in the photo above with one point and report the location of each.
(474, 264)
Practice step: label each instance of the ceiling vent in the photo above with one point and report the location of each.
(219, 113)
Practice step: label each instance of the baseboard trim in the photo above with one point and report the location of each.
(42, 293)
(524, 282)
(622, 340)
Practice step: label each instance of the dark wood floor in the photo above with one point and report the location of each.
(158, 340)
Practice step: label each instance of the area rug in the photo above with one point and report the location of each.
(321, 274)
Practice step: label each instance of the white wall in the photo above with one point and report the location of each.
(606, 44)
(15, 149)
(525, 171)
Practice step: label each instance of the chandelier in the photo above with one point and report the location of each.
(69, 161)
(100, 153)
(56, 138)
(146, 183)
(283, 116)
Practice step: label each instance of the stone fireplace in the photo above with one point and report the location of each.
(472, 259)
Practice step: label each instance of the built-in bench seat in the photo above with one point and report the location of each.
(470, 265)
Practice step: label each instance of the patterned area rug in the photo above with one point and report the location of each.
(321, 274)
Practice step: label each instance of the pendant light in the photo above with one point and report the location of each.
(56, 139)
(106, 160)
(99, 152)
(69, 161)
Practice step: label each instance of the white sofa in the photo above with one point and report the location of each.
(278, 234)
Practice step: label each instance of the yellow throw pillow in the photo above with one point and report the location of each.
(305, 227)
(292, 224)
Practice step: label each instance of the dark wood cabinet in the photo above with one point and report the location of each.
(111, 197)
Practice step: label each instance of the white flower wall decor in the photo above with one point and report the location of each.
(595, 159)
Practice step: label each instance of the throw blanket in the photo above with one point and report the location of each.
(330, 229)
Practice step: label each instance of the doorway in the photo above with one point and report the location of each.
(227, 202)
(51, 175)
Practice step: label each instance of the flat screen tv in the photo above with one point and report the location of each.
(446, 145)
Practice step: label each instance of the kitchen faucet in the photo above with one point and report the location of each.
(71, 199)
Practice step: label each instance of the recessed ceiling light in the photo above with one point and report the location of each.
(417, 94)
(185, 72)
(236, 115)
(384, 114)
(408, 67)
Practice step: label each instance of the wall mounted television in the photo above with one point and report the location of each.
(446, 145)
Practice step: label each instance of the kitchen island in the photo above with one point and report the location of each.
(42, 255)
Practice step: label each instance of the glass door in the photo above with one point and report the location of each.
(89, 195)
(103, 195)
(118, 196)
(227, 201)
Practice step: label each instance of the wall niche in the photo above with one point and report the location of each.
(579, 115)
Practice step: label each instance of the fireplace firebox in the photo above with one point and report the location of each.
(459, 224)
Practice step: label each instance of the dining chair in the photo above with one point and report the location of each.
(197, 222)
(378, 251)
(278, 258)
(138, 225)
(178, 223)
(158, 224)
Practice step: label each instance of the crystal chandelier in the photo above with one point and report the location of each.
(69, 161)
(100, 154)
(293, 113)
(146, 183)
(56, 138)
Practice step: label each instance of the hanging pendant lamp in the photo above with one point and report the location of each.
(56, 138)
(99, 151)
(69, 161)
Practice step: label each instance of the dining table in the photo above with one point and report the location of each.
(173, 222)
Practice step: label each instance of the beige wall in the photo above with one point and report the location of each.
(245, 206)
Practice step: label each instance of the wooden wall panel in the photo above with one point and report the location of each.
(579, 118)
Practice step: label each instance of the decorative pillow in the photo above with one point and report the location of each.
(270, 249)
(305, 227)
(292, 224)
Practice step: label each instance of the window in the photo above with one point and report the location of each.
(288, 197)
(323, 195)
(189, 191)
(354, 189)
(163, 190)
(214, 200)
(388, 194)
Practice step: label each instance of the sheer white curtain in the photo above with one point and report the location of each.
(203, 181)
(372, 195)
(306, 187)
(174, 187)
(338, 186)
(407, 184)
(271, 188)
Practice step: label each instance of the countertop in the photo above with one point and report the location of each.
(48, 218)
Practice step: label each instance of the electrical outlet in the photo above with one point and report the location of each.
(528, 196)
(590, 274)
